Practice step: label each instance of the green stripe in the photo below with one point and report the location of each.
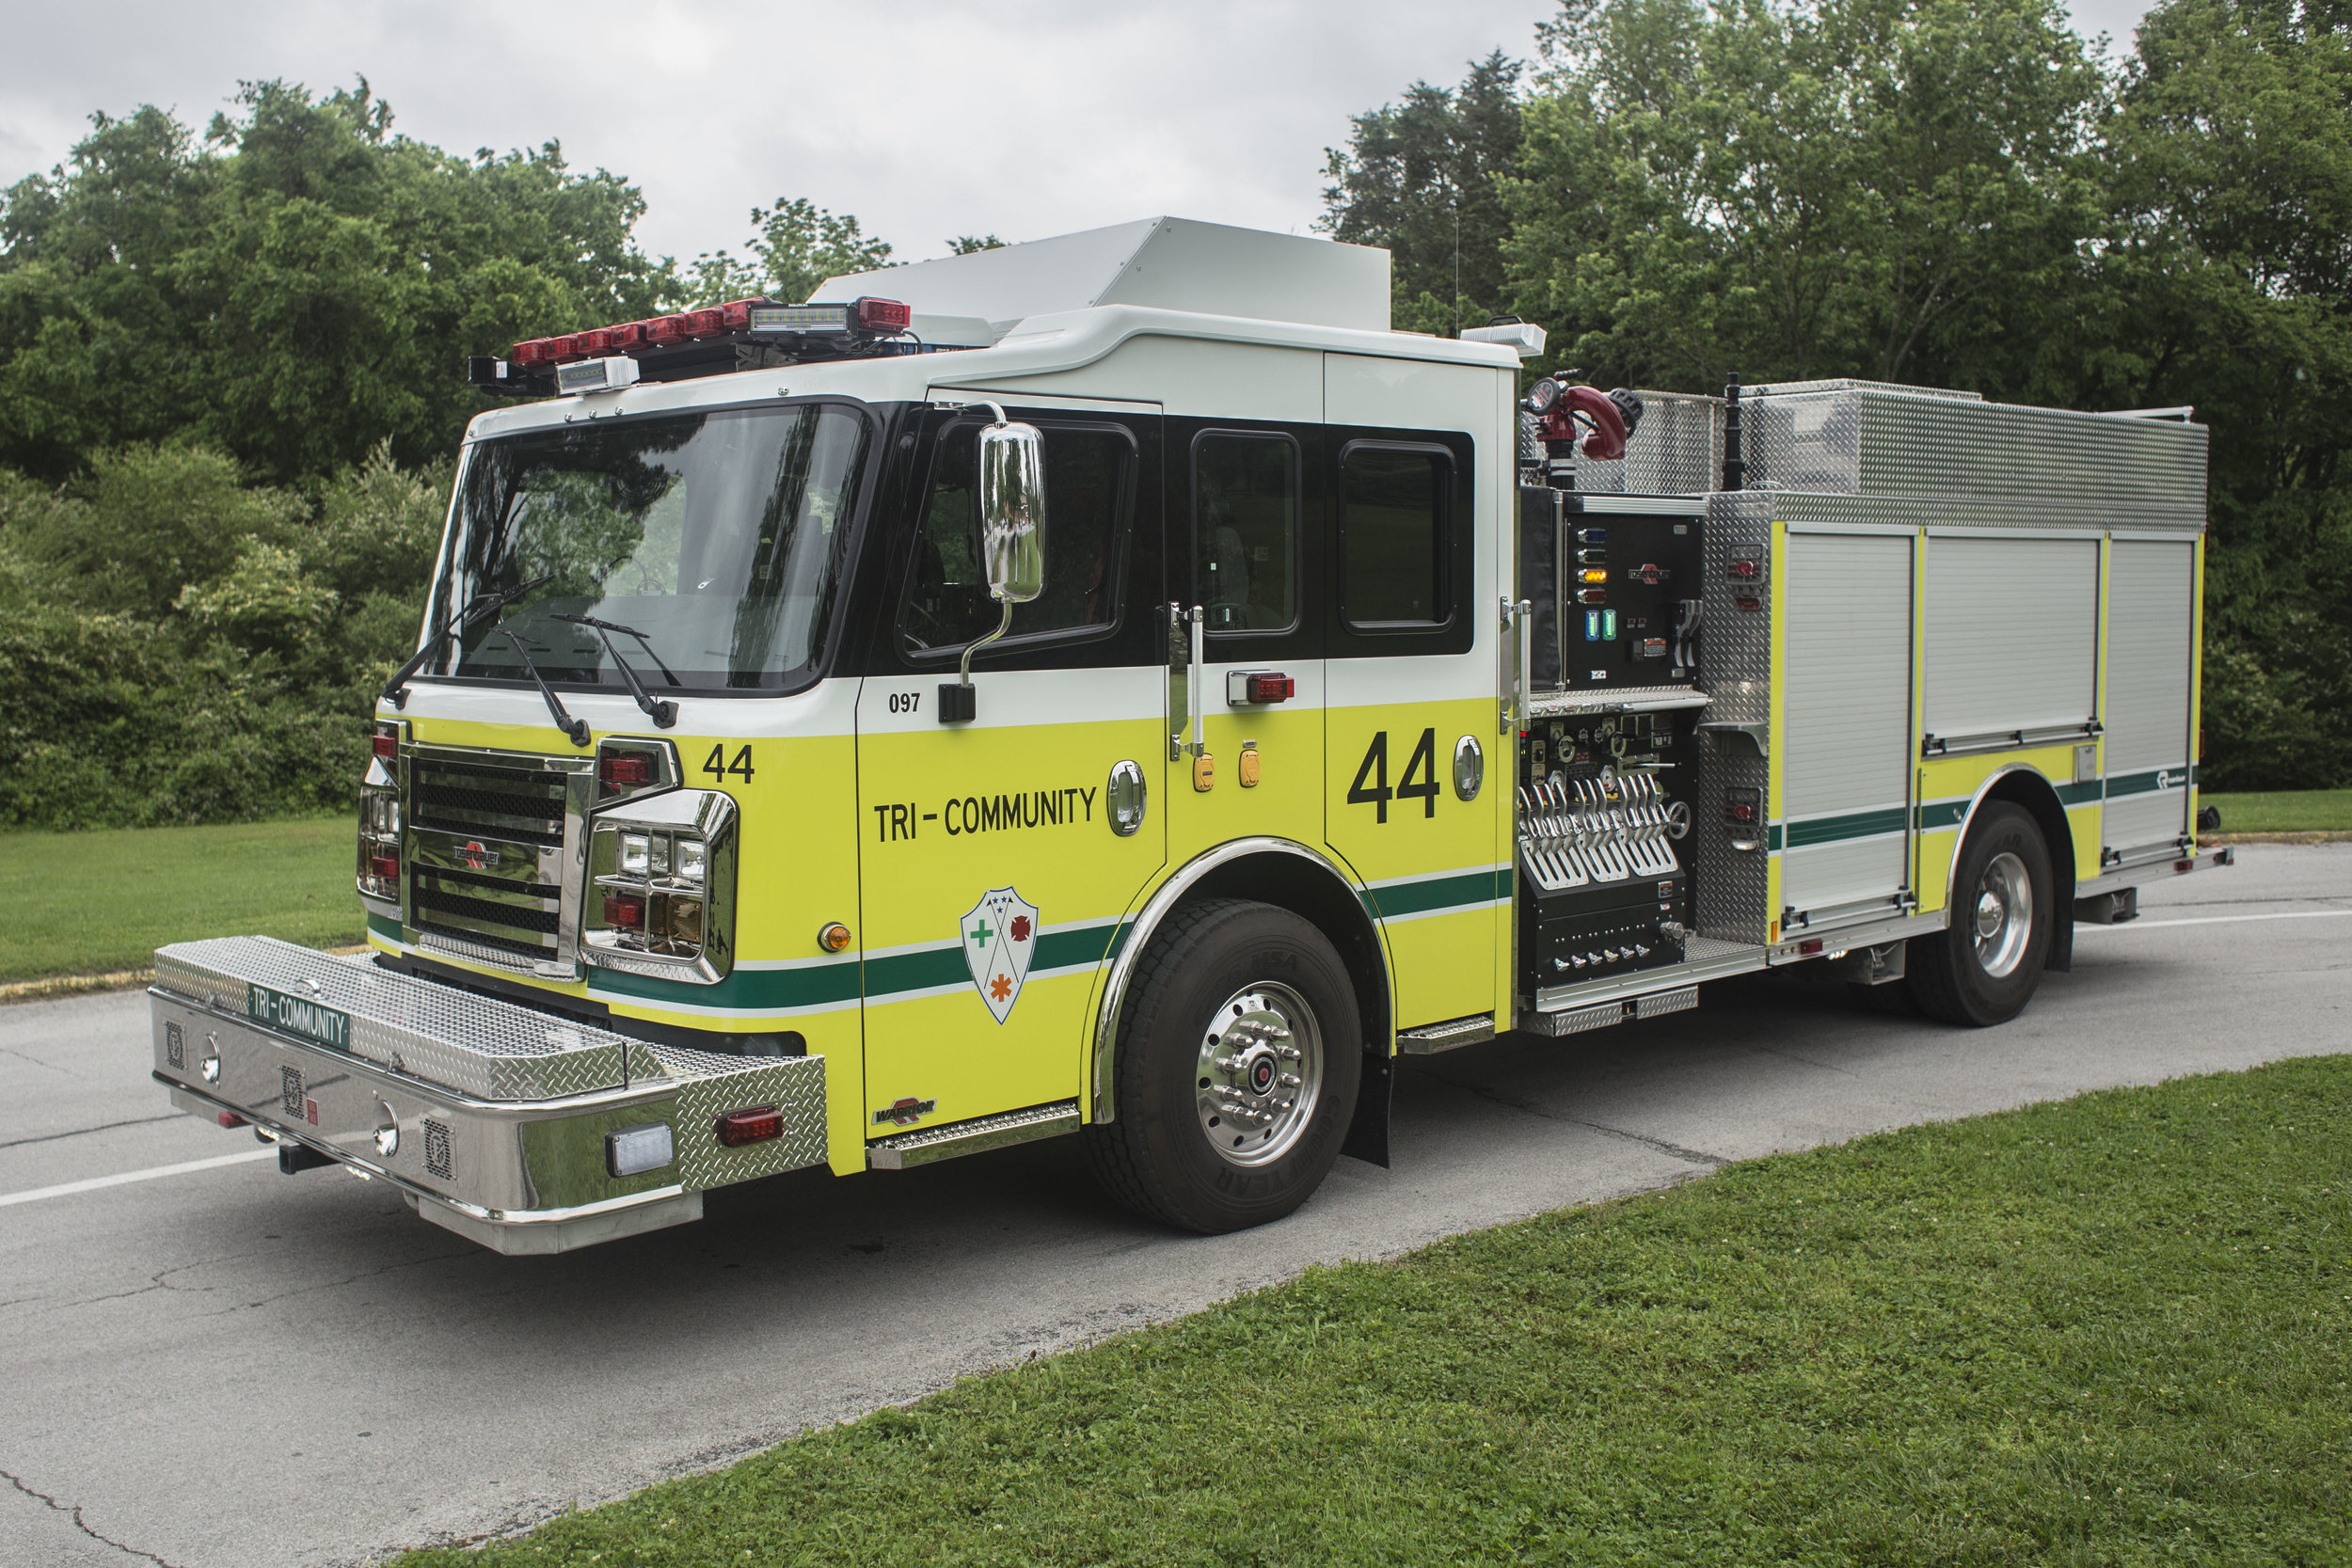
(2088, 793)
(1466, 890)
(1857, 824)
(2144, 784)
(833, 984)
(1942, 813)
(384, 925)
(817, 986)
(1774, 837)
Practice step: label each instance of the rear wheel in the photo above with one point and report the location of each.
(1238, 1063)
(1983, 967)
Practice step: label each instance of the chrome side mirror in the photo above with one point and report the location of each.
(1013, 541)
(1012, 510)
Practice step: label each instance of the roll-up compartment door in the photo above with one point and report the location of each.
(2012, 631)
(1847, 737)
(2151, 613)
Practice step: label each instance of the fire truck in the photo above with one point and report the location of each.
(1118, 686)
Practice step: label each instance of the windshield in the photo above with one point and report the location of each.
(715, 536)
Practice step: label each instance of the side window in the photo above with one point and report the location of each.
(1245, 529)
(1088, 485)
(1394, 539)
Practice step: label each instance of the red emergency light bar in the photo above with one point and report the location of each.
(865, 317)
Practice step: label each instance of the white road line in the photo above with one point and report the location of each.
(68, 1188)
(2209, 920)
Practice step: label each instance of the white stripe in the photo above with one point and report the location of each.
(69, 1188)
(1436, 875)
(2214, 920)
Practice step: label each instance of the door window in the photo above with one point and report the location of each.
(1245, 525)
(1089, 483)
(1395, 542)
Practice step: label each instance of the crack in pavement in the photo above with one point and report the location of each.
(1512, 1101)
(331, 1284)
(1804, 1061)
(73, 1512)
(80, 1132)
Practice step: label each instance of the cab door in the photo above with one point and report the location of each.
(1244, 517)
(1411, 673)
(994, 860)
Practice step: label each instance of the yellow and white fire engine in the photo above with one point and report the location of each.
(1118, 686)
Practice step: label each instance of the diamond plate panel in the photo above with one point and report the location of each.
(1677, 450)
(1731, 887)
(476, 1045)
(710, 1086)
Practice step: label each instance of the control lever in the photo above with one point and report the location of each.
(1688, 614)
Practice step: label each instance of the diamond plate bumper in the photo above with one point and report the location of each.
(492, 1118)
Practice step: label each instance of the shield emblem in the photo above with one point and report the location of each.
(998, 936)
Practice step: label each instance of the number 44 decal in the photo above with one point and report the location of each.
(1375, 768)
(718, 767)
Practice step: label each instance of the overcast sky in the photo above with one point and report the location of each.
(927, 119)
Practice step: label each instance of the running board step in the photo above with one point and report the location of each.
(909, 1150)
(1576, 1021)
(1430, 1039)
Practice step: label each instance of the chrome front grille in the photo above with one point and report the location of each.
(491, 836)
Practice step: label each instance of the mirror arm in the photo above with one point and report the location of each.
(964, 674)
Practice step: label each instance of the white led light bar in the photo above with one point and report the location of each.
(800, 318)
(596, 375)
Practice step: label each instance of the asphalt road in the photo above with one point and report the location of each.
(228, 1366)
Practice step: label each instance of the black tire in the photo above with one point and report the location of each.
(1966, 974)
(1156, 1156)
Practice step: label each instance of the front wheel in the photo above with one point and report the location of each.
(1238, 1064)
(1983, 967)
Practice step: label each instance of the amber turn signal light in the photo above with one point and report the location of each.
(835, 938)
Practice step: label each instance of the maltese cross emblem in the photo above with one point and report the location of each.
(998, 936)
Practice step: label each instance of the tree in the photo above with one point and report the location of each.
(1839, 187)
(1420, 179)
(2230, 154)
(797, 245)
(965, 244)
(294, 287)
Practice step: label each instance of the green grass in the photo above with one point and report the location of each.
(2285, 811)
(2109, 1331)
(95, 902)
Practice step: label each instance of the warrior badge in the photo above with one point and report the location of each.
(998, 936)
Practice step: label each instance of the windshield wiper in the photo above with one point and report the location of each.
(396, 689)
(662, 711)
(575, 730)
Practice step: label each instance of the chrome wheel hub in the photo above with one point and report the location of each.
(2004, 915)
(1260, 1074)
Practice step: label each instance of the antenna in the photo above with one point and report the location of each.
(1457, 264)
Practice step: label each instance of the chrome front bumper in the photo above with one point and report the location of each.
(492, 1118)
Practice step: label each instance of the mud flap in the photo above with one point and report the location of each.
(1368, 1132)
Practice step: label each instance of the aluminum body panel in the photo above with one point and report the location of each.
(2012, 634)
(2151, 607)
(2063, 468)
(1847, 734)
